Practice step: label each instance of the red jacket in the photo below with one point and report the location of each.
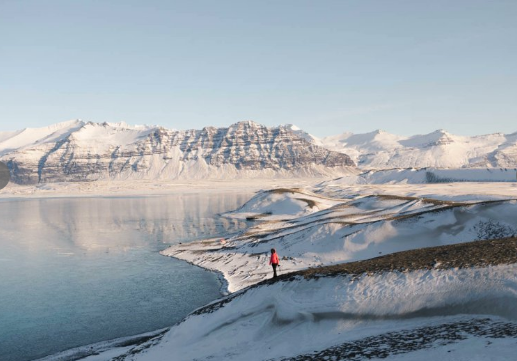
(273, 259)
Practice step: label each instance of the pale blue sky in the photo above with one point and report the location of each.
(407, 67)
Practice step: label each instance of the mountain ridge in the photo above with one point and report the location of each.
(87, 151)
(439, 149)
(78, 150)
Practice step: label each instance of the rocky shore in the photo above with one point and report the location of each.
(462, 255)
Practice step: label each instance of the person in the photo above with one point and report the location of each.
(273, 261)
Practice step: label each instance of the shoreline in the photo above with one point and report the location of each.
(323, 186)
(473, 255)
(131, 345)
(145, 188)
(101, 347)
(224, 284)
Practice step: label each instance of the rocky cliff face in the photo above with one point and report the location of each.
(78, 151)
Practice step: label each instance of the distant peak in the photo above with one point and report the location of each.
(70, 122)
(292, 127)
(246, 123)
(300, 133)
(441, 132)
(67, 123)
(375, 133)
(120, 125)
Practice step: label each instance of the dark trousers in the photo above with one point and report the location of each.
(274, 269)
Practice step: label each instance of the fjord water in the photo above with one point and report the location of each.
(74, 271)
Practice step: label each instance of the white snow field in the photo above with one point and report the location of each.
(145, 188)
(88, 134)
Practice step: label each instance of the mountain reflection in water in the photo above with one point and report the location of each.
(80, 270)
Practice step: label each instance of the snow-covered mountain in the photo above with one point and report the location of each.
(86, 151)
(439, 149)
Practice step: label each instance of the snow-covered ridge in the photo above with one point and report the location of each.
(282, 203)
(80, 151)
(439, 149)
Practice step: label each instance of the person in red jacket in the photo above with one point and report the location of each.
(273, 261)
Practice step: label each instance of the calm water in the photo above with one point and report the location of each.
(82, 270)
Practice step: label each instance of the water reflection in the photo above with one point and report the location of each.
(95, 224)
(80, 270)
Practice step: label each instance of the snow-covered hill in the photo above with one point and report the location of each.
(389, 276)
(314, 231)
(353, 318)
(439, 149)
(80, 151)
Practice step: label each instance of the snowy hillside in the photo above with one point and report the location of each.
(412, 306)
(353, 317)
(315, 231)
(79, 151)
(439, 149)
(358, 280)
